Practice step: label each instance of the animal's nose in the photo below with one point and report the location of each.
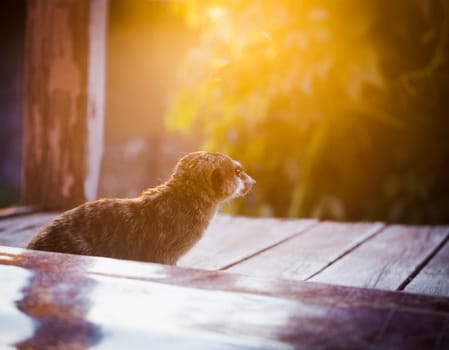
(251, 180)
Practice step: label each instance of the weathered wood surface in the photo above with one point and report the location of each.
(61, 301)
(230, 240)
(387, 260)
(55, 103)
(64, 89)
(16, 231)
(434, 277)
(372, 255)
(307, 254)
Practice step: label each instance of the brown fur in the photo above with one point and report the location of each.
(159, 226)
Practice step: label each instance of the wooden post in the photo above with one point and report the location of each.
(58, 96)
(96, 95)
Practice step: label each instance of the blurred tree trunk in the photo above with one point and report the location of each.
(56, 103)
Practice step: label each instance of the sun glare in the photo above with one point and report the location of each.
(215, 12)
(290, 80)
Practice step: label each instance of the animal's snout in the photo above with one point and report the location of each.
(248, 183)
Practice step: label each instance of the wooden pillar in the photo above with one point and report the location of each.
(96, 95)
(58, 100)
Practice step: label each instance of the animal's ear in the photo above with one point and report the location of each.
(217, 180)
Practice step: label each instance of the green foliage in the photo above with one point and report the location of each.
(339, 109)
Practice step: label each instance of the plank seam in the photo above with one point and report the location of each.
(423, 263)
(300, 232)
(375, 231)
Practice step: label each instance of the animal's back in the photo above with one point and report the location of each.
(94, 228)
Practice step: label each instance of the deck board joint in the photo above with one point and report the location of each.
(376, 231)
(423, 263)
(260, 251)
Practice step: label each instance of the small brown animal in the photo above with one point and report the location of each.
(159, 226)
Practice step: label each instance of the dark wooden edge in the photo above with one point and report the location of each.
(307, 292)
(17, 210)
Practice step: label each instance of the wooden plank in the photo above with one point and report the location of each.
(61, 91)
(17, 231)
(305, 255)
(433, 279)
(231, 239)
(17, 223)
(322, 294)
(443, 339)
(419, 335)
(61, 301)
(387, 260)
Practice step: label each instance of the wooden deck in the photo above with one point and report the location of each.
(371, 255)
(241, 287)
(58, 301)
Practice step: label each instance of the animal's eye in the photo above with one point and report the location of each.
(238, 171)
